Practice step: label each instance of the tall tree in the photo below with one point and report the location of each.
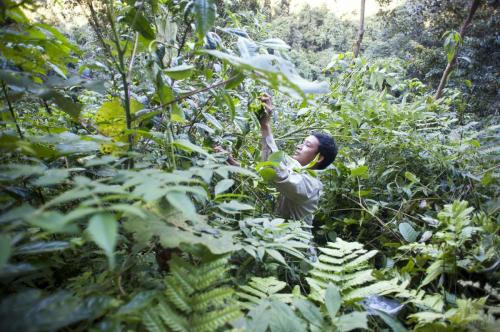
(452, 61)
(361, 30)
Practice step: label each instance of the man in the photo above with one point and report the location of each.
(299, 191)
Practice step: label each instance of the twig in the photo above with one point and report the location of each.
(11, 109)
(183, 41)
(189, 94)
(133, 56)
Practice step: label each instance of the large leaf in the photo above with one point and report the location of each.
(273, 71)
(332, 301)
(5, 249)
(354, 320)
(103, 229)
(223, 186)
(171, 236)
(63, 102)
(188, 146)
(408, 233)
(433, 271)
(309, 311)
(204, 11)
(179, 72)
(30, 311)
(111, 117)
(42, 247)
(182, 202)
(137, 21)
(392, 322)
(234, 207)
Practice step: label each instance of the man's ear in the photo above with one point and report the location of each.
(320, 159)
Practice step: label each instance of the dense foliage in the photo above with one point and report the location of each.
(117, 213)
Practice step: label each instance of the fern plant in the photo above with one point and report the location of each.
(345, 264)
(194, 298)
(259, 289)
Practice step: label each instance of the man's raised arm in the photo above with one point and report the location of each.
(267, 140)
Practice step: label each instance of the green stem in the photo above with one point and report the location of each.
(11, 109)
(122, 68)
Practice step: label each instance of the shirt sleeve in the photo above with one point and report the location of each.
(268, 147)
(297, 187)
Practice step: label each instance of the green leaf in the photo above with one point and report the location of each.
(276, 255)
(205, 11)
(309, 311)
(177, 114)
(412, 177)
(234, 207)
(66, 104)
(182, 203)
(268, 174)
(30, 311)
(103, 229)
(138, 22)
(179, 72)
(42, 247)
(273, 71)
(210, 118)
(284, 319)
(277, 157)
(361, 171)
(354, 320)
(433, 271)
(18, 213)
(408, 233)
(52, 221)
(52, 177)
(275, 43)
(392, 322)
(223, 186)
(332, 301)
(5, 249)
(189, 147)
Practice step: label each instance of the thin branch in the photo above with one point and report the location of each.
(192, 93)
(11, 109)
(183, 41)
(472, 9)
(133, 55)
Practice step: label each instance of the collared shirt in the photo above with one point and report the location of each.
(299, 191)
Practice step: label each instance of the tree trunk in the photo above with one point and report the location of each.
(473, 7)
(361, 30)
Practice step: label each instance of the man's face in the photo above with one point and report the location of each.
(306, 152)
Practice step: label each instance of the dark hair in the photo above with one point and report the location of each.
(327, 148)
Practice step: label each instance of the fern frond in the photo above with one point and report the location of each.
(346, 264)
(381, 288)
(349, 280)
(202, 281)
(258, 293)
(359, 278)
(361, 259)
(262, 288)
(215, 297)
(152, 322)
(176, 295)
(340, 259)
(213, 265)
(173, 320)
(215, 319)
(269, 285)
(193, 299)
(181, 279)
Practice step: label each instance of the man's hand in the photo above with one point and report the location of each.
(267, 106)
